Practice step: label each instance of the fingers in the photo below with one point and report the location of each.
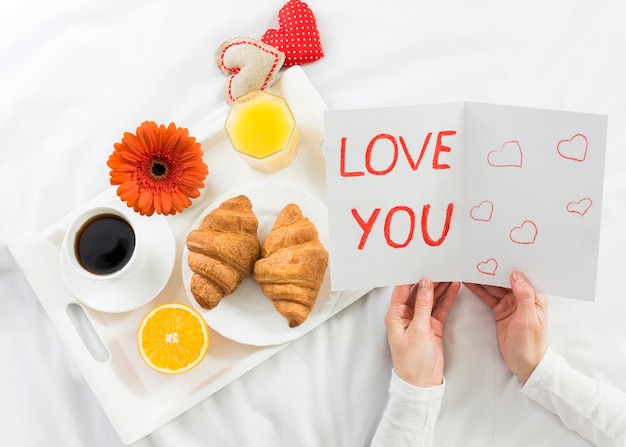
(440, 289)
(484, 294)
(418, 302)
(400, 294)
(436, 300)
(399, 313)
(445, 303)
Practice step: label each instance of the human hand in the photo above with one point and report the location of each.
(521, 322)
(414, 322)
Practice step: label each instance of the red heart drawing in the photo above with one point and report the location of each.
(581, 207)
(297, 35)
(510, 155)
(574, 149)
(482, 212)
(251, 64)
(525, 234)
(488, 267)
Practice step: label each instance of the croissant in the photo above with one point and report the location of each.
(292, 265)
(222, 251)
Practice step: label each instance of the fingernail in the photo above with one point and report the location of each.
(425, 283)
(517, 276)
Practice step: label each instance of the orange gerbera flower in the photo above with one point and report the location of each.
(158, 169)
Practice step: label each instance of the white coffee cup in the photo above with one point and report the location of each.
(101, 242)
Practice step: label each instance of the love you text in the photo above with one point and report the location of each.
(366, 222)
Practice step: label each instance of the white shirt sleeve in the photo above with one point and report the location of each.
(595, 410)
(411, 415)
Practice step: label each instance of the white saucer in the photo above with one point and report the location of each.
(143, 282)
(247, 316)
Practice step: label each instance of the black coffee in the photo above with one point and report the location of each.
(105, 244)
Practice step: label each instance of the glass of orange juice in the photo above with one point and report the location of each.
(263, 131)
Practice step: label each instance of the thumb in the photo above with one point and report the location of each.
(524, 293)
(423, 303)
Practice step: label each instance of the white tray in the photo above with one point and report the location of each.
(136, 399)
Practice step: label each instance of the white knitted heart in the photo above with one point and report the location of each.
(251, 64)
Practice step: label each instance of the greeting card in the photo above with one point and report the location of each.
(465, 192)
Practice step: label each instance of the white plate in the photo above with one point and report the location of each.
(247, 316)
(139, 285)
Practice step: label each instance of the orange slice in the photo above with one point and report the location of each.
(172, 338)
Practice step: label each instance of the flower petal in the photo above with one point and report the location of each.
(166, 200)
(146, 202)
(157, 203)
(120, 177)
(178, 202)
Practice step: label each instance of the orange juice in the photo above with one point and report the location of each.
(262, 129)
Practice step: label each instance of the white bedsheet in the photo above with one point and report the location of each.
(74, 75)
